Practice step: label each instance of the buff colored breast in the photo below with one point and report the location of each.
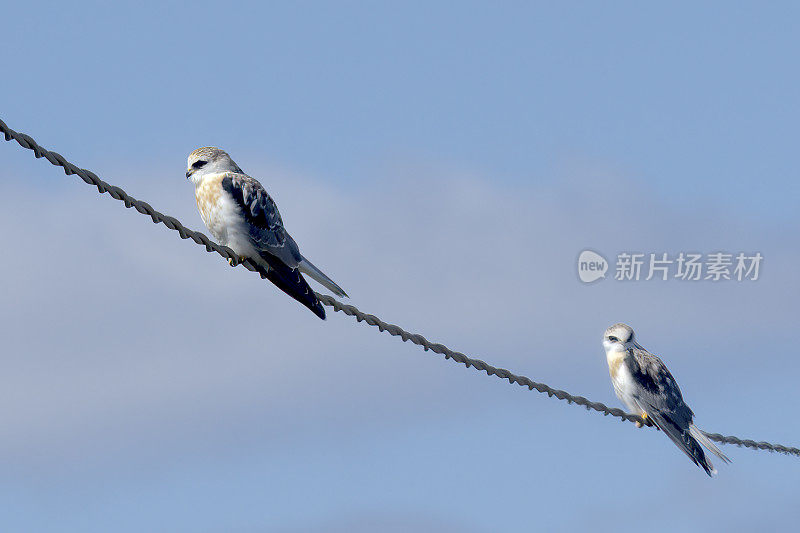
(223, 217)
(615, 360)
(622, 380)
(209, 202)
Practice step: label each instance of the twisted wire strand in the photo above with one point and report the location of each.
(185, 233)
(502, 373)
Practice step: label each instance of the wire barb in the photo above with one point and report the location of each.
(396, 331)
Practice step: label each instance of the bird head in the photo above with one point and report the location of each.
(209, 160)
(618, 338)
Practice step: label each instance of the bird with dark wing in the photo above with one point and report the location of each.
(240, 214)
(646, 387)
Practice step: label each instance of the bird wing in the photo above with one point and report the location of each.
(263, 218)
(660, 397)
(292, 283)
(274, 244)
(683, 440)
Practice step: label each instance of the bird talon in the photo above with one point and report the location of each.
(232, 262)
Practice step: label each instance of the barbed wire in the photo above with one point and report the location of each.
(185, 233)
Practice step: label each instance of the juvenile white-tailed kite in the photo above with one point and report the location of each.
(240, 214)
(647, 388)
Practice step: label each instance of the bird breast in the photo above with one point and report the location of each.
(621, 377)
(223, 217)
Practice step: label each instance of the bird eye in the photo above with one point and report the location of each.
(199, 164)
(613, 339)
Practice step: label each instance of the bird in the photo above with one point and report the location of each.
(240, 214)
(643, 383)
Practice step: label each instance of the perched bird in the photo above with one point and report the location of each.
(647, 388)
(240, 214)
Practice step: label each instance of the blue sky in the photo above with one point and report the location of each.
(444, 163)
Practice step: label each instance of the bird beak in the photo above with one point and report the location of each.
(189, 173)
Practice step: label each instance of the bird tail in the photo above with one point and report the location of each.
(308, 268)
(292, 283)
(686, 442)
(701, 437)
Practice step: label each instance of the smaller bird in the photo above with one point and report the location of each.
(646, 387)
(240, 214)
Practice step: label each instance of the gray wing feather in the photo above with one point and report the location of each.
(260, 211)
(659, 391)
(661, 398)
(307, 267)
(684, 440)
